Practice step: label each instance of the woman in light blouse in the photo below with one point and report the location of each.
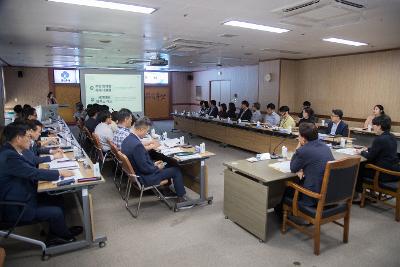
(376, 112)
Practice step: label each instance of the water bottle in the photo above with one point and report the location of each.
(343, 142)
(202, 148)
(182, 140)
(76, 152)
(239, 121)
(369, 127)
(165, 135)
(323, 122)
(284, 152)
(258, 124)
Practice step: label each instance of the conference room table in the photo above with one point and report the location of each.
(252, 188)
(243, 135)
(195, 175)
(81, 192)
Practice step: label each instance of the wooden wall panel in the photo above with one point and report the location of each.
(67, 95)
(157, 102)
(354, 83)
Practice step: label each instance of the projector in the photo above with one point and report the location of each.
(158, 62)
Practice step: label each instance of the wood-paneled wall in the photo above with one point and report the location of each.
(353, 83)
(30, 89)
(268, 91)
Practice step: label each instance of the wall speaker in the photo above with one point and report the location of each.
(190, 77)
(20, 74)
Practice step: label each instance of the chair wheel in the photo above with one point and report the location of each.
(260, 240)
(210, 202)
(45, 257)
(176, 209)
(102, 244)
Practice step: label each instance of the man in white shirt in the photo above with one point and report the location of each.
(103, 129)
(272, 118)
(256, 113)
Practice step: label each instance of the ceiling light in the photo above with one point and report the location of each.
(254, 26)
(66, 47)
(68, 56)
(343, 41)
(108, 5)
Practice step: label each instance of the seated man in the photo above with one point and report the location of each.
(103, 129)
(257, 116)
(34, 151)
(125, 120)
(382, 153)
(18, 183)
(287, 121)
(271, 118)
(309, 161)
(149, 173)
(245, 113)
(213, 109)
(336, 126)
(92, 122)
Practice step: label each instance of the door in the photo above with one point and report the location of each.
(67, 96)
(220, 91)
(215, 93)
(225, 92)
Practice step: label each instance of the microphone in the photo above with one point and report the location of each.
(72, 144)
(273, 155)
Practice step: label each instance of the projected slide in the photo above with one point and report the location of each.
(115, 90)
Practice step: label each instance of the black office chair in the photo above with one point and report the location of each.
(7, 228)
(334, 200)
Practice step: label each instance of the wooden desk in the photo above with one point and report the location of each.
(195, 176)
(245, 135)
(250, 189)
(82, 190)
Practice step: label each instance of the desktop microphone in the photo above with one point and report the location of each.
(72, 144)
(273, 155)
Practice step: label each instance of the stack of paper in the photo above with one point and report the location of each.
(283, 166)
(193, 156)
(77, 175)
(169, 151)
(171, 142)
(63, 164)
(348, 151)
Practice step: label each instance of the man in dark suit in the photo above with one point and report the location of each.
(309, 160)
(92, 122)
(213, 109)
(34, 151)
(149, 173)
(18, 183)
(245, 113)
(382, 153)
(336, 126)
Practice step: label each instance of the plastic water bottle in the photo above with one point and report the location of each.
(153, 132)
(202, 148)
(258, 124)
(343, 142)
(369, 127)
(182, 140)
(239, 121)
(284, 152)
(290, 129)
(165, 136)
(96, 170)
(323, 122)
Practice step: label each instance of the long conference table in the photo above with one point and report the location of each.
(243, 135)
(82, 193)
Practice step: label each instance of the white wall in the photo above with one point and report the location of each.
(244, 82)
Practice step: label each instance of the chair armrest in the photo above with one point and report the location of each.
(303, 190)
(379, 169)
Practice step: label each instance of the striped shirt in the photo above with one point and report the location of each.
(120, 135)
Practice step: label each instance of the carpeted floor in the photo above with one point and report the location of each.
(203, 237)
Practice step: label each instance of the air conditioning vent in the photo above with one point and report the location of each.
(300, 6)
(348, 3)
(271, 50)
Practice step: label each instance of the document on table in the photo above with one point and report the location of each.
(282, 166)
(348, 151)
(77, 175)
(63, 164)
(187, 157)
(169, 151)
(171, 142)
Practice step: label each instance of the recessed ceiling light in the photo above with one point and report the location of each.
(343, 41)
(254, 26)
(108, 5)
(66, 47)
